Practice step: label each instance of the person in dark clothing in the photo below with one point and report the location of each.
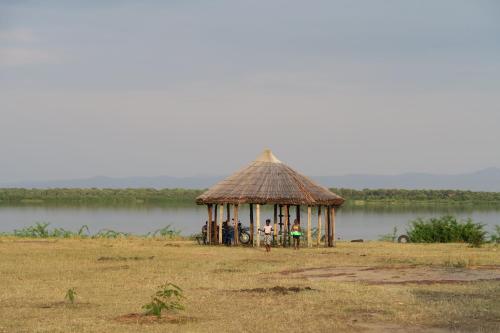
(227, 234)
(204, 231)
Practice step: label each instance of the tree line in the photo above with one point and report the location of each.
(400, 195)
(165, 196)
(97, 195)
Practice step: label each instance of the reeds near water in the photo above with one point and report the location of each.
(42, 230)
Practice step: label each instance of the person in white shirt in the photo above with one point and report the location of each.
(268, 235)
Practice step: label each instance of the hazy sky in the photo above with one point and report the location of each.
(184, 88)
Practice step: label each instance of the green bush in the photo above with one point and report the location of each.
(495, 236)
(167, 298)
(39, 230)
(446, 229)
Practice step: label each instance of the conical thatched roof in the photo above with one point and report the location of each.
(268, 181)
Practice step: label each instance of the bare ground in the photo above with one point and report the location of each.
(398, 274)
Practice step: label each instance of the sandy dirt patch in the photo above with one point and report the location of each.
(139, 318)
(394, 328)
(277, 290)
(398, 275)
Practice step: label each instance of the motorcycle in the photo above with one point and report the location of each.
(243, 234)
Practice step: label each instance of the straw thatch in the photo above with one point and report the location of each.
(268, 181)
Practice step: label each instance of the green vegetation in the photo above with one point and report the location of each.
(108, 233)
(495, 236)
(389, 237)
(167, 298)
(41, 230)
(166, 232)
(71, 295)
(361, 197)
(447, 229)
(95, 196)
(148, 196)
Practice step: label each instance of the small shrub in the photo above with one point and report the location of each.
(39, 230)
(108, 233)
(495, 236)
(196, 235)
(71, 295)
(447, 229)
(389, 237)
(82, 229)
(456, 263)
(314, 233)
(167, 298)
(167, 232)
(61, 233)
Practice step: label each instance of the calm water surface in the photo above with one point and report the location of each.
(358, 222)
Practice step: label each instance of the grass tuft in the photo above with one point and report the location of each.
(71, 295)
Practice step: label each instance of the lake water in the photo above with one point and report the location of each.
(351, 223)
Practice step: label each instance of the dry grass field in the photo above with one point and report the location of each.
(355, 287)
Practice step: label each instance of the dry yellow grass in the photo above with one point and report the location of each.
(35, 274)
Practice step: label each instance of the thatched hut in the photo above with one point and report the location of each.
(269, 181)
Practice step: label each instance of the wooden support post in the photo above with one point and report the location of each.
(221, 212)
(235, 225)
(327, 226)
(275, 234)
(288, 224)
(228, 219)
(330, 240)
(213, 234)
(332, 222)
(285, 227)
(257, 211)
(330, 243)
(309, 231)
(319, 226)
(209, 223)
(252, 229)
(281, 225)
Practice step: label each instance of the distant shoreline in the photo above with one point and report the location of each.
(154, 197)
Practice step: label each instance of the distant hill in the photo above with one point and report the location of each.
(483, 180)
(126, 182)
